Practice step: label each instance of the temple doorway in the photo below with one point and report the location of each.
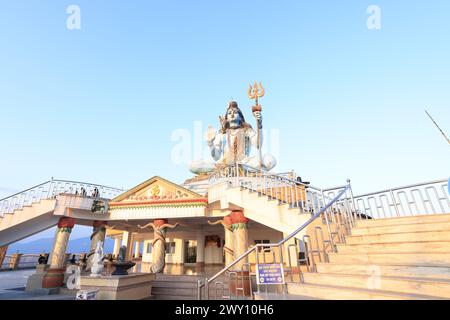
(190, 251)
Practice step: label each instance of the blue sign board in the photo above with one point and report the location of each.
(270, 273)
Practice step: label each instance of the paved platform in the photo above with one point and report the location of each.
(12, 283)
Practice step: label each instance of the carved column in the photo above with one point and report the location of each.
(65, 226)
(159, 243)
(228, 247)
(240, 284)
(55, 274)
(98, 234)
(240, 236)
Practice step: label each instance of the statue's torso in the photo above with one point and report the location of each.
(236, 145)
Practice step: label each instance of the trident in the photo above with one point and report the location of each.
(255, 93)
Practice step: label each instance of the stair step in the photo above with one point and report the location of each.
(174, 291)
(386, 270)
(178, 278)
(174, 284)
(330, 292)
(281, 296)
(423, 246)
(402, 228)
(173, 297)
(399, 237)
(432, 218)
(393, 258)
(435, 288)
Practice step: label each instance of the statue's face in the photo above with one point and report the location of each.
(233, 118)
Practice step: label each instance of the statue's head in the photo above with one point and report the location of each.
(234, 118)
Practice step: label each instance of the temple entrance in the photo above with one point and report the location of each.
(190, 251)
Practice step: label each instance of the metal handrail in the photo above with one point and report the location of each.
(20, 192)
(322, 211)
(305, 197)
(410, 200)
(266, 173)
(281, 242)
(403, 187)
(50, 189)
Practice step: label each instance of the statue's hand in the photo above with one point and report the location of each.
(257, 115)
(210, 135)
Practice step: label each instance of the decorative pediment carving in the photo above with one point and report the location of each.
(154, 190)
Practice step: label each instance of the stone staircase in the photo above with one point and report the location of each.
(27, 220)
(397, 258)
(174, 287)
(277, 214)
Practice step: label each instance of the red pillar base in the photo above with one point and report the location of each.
(53, 278)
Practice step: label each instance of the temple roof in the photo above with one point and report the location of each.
(157, 191)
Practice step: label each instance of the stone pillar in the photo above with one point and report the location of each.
(98, 234)
(242, 283)
(65, 226)
(3, 251)
(229, 241)
(200, 262)
(137, 249)
(159, 227)
(127, 241)
(55, 274)
(240, 236)
(159, 245)
(14, 262)
(117, 242)
(228, 247)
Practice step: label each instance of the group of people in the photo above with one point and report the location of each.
(83, 192)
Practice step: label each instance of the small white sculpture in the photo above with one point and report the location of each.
(97, 261)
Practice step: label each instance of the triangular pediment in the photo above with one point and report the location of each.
(156, 189)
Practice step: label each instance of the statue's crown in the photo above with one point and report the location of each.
(233, 104)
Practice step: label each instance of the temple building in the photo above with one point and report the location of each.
(199, 237)
(237, 229)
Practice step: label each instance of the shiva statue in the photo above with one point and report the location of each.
(233, 143)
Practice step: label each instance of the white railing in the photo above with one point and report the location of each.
(336, 214)
(296, 194)
(22, 261)
(50, 189)
(418, 199)
(29, 261)
(6, 262)
(337, 208)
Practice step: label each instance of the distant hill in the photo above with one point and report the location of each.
(45, 245)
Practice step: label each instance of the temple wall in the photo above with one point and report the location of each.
(213, 253)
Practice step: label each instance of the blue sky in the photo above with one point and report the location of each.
(100, 104)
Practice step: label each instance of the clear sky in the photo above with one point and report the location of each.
(100, 104)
